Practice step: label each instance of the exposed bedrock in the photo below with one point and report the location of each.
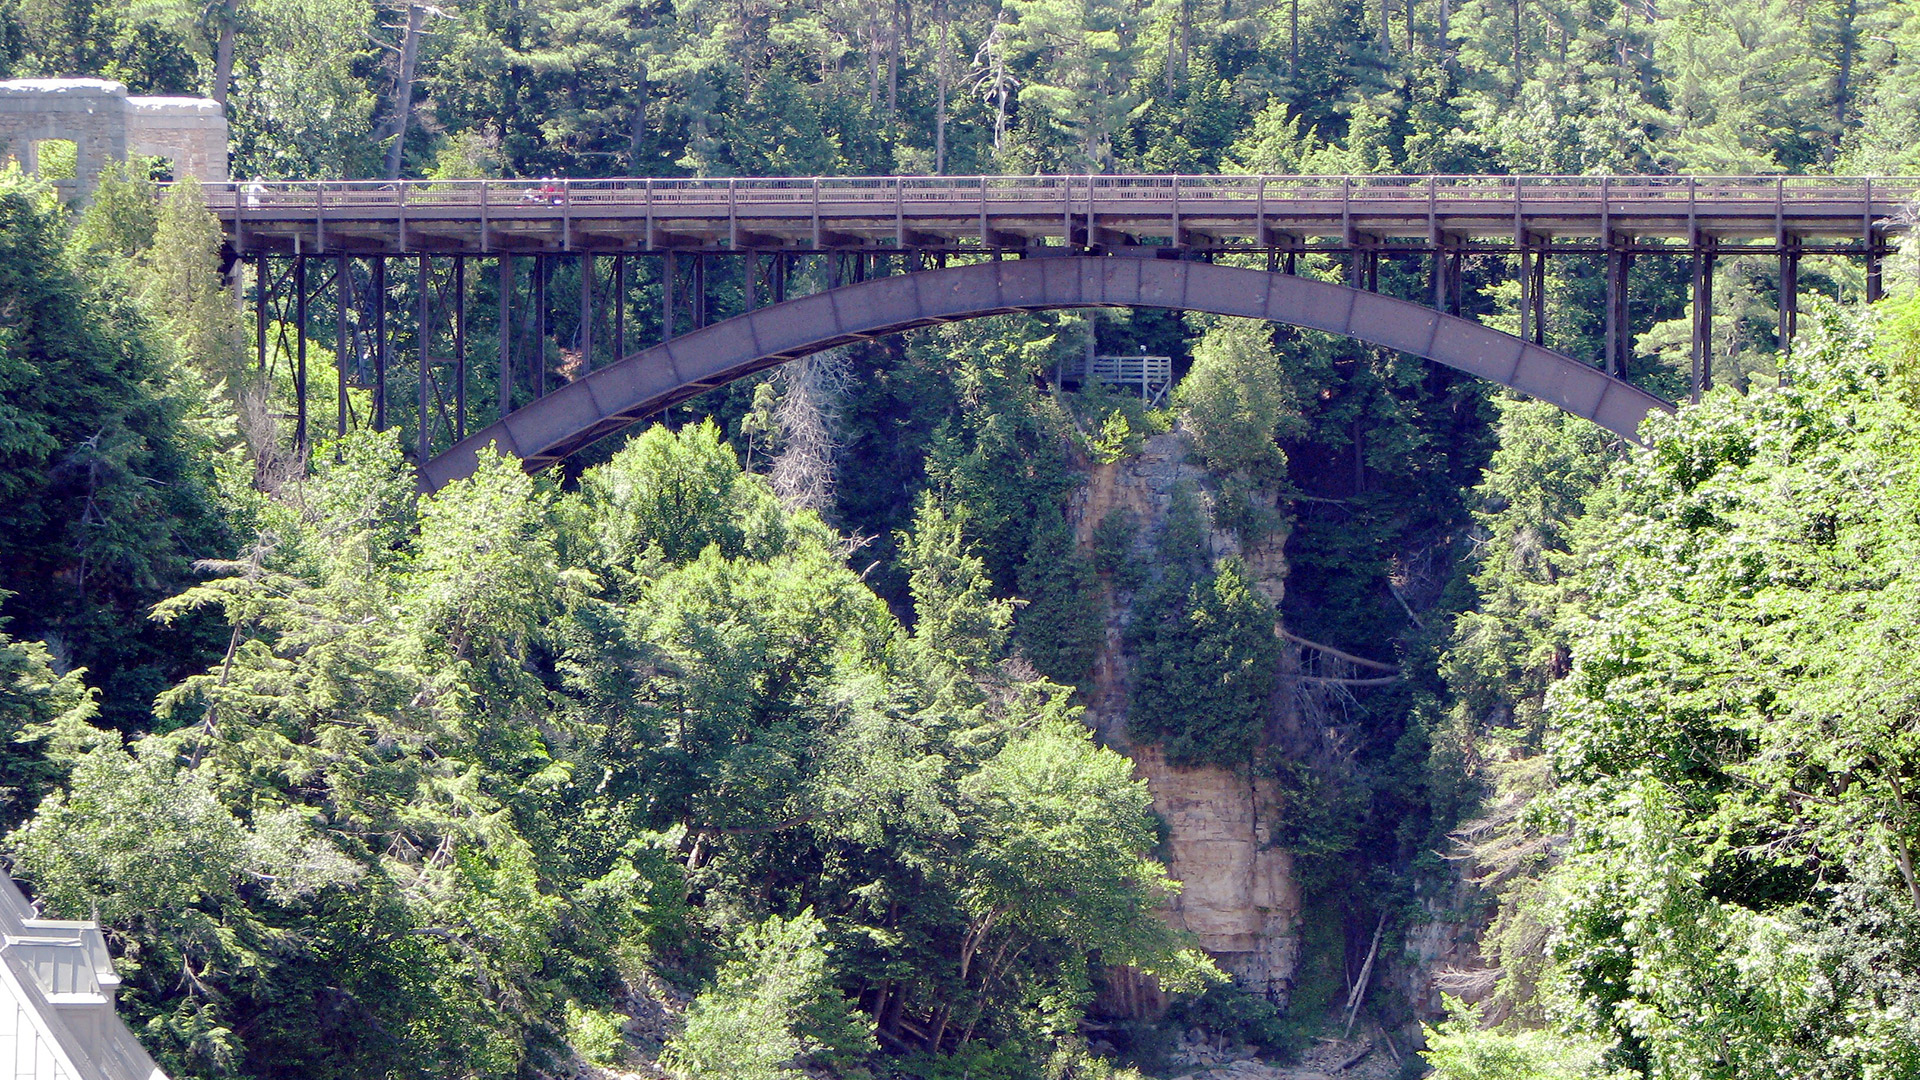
(1239, 896)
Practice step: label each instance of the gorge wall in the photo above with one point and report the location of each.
(1240, 897)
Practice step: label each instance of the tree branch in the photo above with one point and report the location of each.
(751, 830)
(1330, 681)
(1336, 653)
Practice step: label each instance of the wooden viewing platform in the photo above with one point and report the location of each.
(1150, 376)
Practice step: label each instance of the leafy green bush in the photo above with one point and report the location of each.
(1236, 1014)
(1236, 400)
(1205, 653)
(677, 492)
(594, 1035)
(1113, 424)
(773, 1011)
(1461, 1049)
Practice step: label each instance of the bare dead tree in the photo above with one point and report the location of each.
(404, 80)
(403, 87)
(274, 466)
(812, 389)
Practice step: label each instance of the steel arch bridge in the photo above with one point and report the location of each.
(642, 383)
(1033, 243)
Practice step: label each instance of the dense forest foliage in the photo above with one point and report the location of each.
(355, 88)
(753, 744)
(1703, 808)
(465, 772)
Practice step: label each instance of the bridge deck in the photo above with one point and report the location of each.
(1110, 212)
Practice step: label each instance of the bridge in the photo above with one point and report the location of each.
(890, 253)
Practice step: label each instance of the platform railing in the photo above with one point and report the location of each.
(1053, 191)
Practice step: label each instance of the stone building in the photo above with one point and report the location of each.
(103, 123)
(57, 987)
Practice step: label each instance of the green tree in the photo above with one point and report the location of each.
(185, 291)
(956, 618)
(147, 46)
(123, 213)
(1061, 831)
(103, 499)
(302, 105)
(1061, 628)
(1706, 917)
(1205, 654)
(677, 493)
(1080, 52)
(35, 702)
(1237, 402)
(1206, 669)
(1460, 1049)
(773, 1011)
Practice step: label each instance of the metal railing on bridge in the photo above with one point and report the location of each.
(943, 213)
(1675, 191)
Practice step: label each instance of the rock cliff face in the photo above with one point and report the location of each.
(1239, 896)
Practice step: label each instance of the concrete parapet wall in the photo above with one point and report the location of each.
(105, 123)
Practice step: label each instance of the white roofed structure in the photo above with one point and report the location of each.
(57, 987)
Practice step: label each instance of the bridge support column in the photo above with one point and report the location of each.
(1533, 285)
(542, 267)
(1093, 231)
(698, 290)
(1789, 297)
(1875, 253)
(459, 347)
(380, 343)
(1703, 259)
(300, 358)
(586, 314)
(1448, 265)
(1526, 288)
(505, 319)
(1446, 276)
(261, 284)
(667, 272)
(619, 307)
(1619, 327)
(1538, 292)
(342, 303)
(421, 325)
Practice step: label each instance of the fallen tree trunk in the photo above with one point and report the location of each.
(1338, 654)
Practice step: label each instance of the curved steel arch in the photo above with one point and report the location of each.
(645, 382)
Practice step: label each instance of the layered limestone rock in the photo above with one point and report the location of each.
(1239, 896)
(1238, 893)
